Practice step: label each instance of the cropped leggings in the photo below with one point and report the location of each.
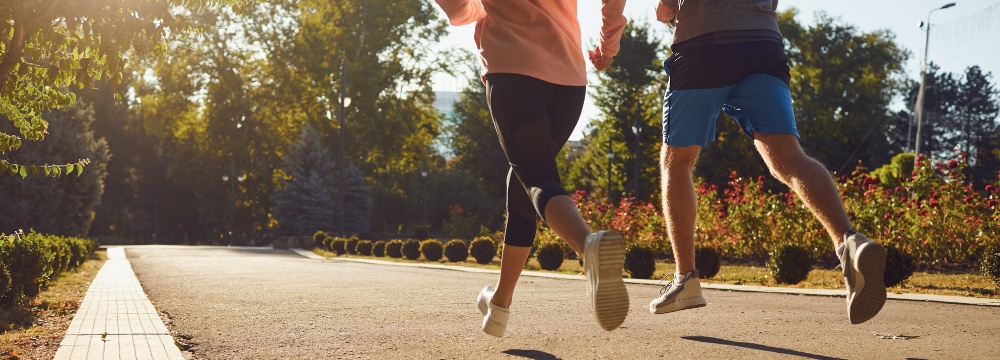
(533, 120)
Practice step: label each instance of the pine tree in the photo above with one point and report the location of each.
(56, 205)
(357, 202)
(306, 202)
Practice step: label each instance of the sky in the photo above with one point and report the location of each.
(961, 36)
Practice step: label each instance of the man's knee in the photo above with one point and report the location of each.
(674, 158)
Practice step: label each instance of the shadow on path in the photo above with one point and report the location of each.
(747, 345)
(531, 354)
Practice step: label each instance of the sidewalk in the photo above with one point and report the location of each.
(116, 319)
(961, 300)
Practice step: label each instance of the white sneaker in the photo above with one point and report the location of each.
(604, 257)
(863, 262)
(494, 317)
(675, 297)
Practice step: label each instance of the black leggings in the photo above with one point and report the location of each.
(533, 119)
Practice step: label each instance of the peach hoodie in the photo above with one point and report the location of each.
(537, 38)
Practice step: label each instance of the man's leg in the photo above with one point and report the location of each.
(679, 207)
(808, 178)
(862, 260)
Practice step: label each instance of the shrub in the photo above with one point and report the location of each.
(639, 262)
(789, 264)
(364, 247)
(991, 263)
(319, 237)
(456, 250)
(411, 249)
(394, 249)
(352, 245)
(81, 249)
(339, 246)
(708, 261)
(5, 280)
(550, 255)
(898, 266)
(378, 249)
(483, 249)
(29, 263)
(432, 249)
(328, 242)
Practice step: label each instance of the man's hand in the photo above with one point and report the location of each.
(600, 61)
(665, 14)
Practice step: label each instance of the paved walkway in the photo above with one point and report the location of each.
(116, 319)
(961, 300)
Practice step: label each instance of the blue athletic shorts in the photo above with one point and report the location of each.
(749, 81)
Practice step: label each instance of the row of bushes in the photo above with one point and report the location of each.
(787, 264)
(482, 249)
(29, 261)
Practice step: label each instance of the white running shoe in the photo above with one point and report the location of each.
(863, 262)
(604, 257)
(675, 297)
(494, 317)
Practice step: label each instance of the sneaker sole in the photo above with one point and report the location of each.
(493, 327)
(869, 300)
(608, 292)
(685, 304)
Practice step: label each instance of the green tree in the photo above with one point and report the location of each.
(843, 81)
(57, 205)
(478, 155)
(306, 201)
(630, 89)
(49, 46)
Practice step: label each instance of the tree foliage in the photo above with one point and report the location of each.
(628, 91)
(48, 47)
(843, 81)
(51, 205)
(306, 201)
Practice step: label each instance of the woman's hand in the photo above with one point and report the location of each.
(665, 14)
(600, 61)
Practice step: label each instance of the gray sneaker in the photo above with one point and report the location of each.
(604, 258)
(676, 297)
(863, 262)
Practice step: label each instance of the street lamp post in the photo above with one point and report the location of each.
(923, 82)
(232, 178)
(611, 155)
(423, 176)
(345, 101)
(636, 128)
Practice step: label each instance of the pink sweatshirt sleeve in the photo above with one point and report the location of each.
(613, 18)
(462, 12)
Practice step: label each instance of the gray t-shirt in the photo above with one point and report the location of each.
(699, 17)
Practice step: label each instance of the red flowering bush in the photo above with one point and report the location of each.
(932, 214)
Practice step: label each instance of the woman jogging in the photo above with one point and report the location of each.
(536, 77)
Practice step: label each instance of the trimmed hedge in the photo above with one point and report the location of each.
(394, 249)
(411, 249)
(550, 255)
(378, 249)
(483, 249)
(456, 250)
(28, 262)
(432, 249)
(639, 261)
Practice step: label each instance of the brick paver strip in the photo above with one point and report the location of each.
(116, 319)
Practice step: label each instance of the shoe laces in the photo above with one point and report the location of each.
(666, 287)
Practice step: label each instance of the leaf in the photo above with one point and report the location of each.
(79, 170)
(69, 168)
(24, 172)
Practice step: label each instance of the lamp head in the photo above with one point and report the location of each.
(948, 5)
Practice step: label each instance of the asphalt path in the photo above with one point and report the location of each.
(255, 303)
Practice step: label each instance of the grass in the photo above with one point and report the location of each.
(34, 330)
(953, 284)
